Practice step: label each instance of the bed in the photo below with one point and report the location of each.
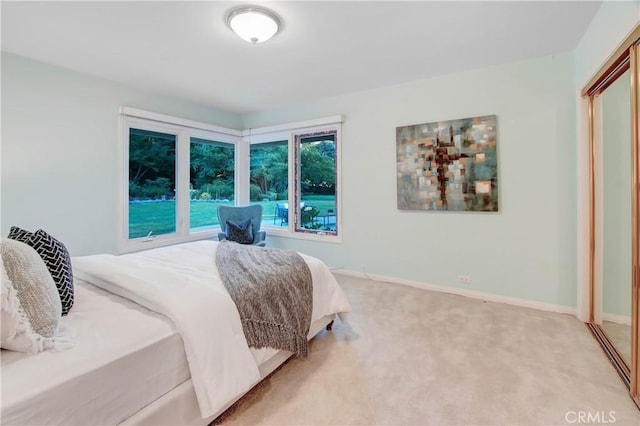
(131, 363)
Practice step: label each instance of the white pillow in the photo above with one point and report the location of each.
(31, 306)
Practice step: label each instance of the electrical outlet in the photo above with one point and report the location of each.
(464, 279)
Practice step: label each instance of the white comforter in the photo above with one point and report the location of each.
(182, 282)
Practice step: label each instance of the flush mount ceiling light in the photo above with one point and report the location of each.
(253, 24)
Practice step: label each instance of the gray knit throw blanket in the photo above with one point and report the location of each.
(273, 292)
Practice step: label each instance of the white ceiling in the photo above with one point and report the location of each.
(185, 49)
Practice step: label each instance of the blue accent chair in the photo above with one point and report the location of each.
(241, 214)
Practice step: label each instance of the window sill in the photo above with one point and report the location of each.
(310, 236)
(166, 240)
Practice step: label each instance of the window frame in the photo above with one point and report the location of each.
(288, 132)
(207, 136)
(271, 138)
(184, 131)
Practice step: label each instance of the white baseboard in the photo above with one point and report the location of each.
(618, 319)
(542, 306)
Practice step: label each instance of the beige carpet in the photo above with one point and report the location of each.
(408, 356)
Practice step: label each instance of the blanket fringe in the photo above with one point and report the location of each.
(260, 334)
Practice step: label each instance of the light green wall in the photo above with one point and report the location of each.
(60, 171)
(616, 198)
(608, 28)
(60, 148)
(527, 250)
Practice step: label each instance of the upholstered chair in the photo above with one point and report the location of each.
(238, 216)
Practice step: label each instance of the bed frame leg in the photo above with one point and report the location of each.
(330, 326)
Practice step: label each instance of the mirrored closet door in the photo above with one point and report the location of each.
(613, 109)
(614, 216)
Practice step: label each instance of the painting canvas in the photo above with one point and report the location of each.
(448, 165)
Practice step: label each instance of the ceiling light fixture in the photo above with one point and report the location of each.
(253, 24)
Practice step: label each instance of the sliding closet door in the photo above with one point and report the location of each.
(614, 215)
(635, 295)
(614, 205)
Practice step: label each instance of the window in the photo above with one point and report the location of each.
(177, 173)
(211, 181)
(294, 174)
(269, 180)
(316, 177)
(152, 179)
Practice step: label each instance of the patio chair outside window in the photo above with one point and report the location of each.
(282, 213)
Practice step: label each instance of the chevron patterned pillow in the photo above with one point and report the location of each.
(55, 256)
(19, 234)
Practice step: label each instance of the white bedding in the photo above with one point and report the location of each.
(125, 357)
(182, 283)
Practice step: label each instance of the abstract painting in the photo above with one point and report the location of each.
(448, 165)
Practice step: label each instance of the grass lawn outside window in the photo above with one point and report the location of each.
(159, 216)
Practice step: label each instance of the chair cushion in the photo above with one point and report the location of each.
(240, 232)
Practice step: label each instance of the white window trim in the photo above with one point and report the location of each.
(259, 134)
(184, 131)
(182, 122)
(288, 132)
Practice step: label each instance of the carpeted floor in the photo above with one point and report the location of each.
(408, 356)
